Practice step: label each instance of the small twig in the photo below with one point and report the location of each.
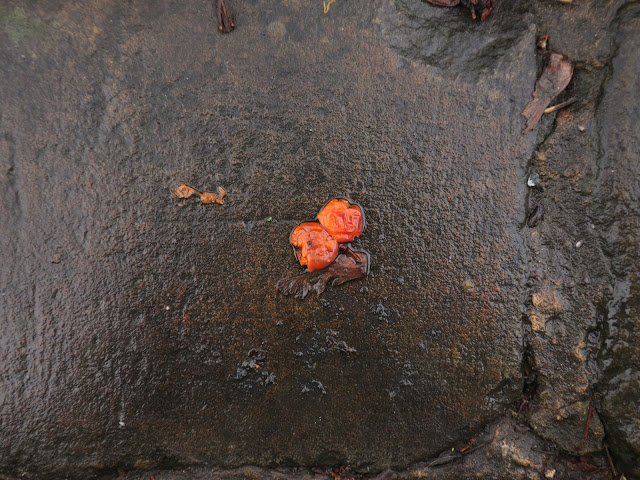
(326, 5)
(561, 105)
(225, 20)
(613, 468)
(586, 430)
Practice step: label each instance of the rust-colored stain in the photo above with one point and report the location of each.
(320, 246)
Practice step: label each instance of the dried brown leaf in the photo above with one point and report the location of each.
(348, 266)
(554, 79)
(208, 197)
(185, 191)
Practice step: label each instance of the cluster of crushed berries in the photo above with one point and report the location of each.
(317, 243)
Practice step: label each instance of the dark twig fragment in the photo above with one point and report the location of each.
(611, 465)
(586, 430)
(554, 79)
(225, 21)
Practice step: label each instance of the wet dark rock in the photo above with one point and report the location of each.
(134, 349)
(619, 191)
(503, 450)
(487, 53)
(160, 341)
(569, 331)
(567, 426)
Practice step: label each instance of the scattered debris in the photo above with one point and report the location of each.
(571, 171)
(542, 41)
(581, 128)
(554, 79)
(252, 369)
(585, 464)
(347, 266)
(185, 191)
(225, 21)
(326, 5)
(578, 245)
(56, 258)
(258, 355)
(550, 473)
(471, 443)
(450, 456)
(535, 217)
(335, 344)
(523, 404)
(614, 472)
(208, 197)
(268, 219)
(533, 180)
(561, 105)
(483, 6)
(320, 386)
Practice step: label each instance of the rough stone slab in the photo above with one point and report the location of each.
(128, 317)
(618, 217)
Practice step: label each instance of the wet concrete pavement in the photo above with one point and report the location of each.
(144, 332)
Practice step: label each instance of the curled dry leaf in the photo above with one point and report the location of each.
(554, 79)
(349, 265)
(185, 191)
(208, 197)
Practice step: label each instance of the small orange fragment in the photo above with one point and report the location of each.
(185, 191)
(315, 248)
(208, 197)
(343, 221)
